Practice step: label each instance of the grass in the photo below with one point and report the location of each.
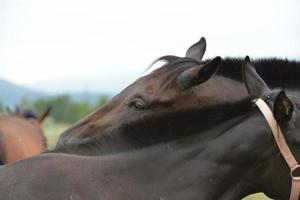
(53, 131)
(258, 196)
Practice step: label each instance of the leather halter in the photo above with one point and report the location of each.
(283, 147)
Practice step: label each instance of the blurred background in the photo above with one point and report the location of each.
(75, 55)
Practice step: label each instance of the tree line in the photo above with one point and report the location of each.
(63, 108)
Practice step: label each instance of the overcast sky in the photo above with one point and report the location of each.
(49, 39)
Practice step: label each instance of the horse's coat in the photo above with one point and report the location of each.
(20, 137)
(223, 151)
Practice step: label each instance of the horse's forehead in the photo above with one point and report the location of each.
(155, 78)
(151, 85)
(161, 87)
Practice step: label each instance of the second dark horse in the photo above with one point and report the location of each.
(223, 151)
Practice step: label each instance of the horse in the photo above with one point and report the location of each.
(277, 72)
(155, 93)
(21, 135)
(220, 151)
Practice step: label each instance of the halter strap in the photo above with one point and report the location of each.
(283, 147)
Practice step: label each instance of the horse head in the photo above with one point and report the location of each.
(21, 134)
(182, 83)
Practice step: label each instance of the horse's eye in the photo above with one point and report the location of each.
(137, 104)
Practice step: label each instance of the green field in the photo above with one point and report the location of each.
(53, 130)
(258, 196)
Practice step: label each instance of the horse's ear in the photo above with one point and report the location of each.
(44, 115)
(199, 74)
(197, 50)
(283, 108)
(254, 83)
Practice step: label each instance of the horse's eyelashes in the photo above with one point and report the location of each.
(137, 104)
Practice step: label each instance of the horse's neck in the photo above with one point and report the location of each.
(218, 168)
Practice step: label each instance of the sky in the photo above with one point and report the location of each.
(100, 42)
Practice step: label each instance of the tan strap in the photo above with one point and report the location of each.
(295, 190)
(282, 145)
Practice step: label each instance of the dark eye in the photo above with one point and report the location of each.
(137, 104)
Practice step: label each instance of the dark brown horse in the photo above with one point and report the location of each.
(146, 94)
(157, 92)
(215, 152)
(21, 135)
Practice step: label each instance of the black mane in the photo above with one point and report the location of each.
(276, 72)
(28, 113)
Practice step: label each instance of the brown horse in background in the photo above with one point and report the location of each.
(21, 135)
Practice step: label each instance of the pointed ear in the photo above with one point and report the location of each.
(283, 108)
(199, 74)
(44, 115)
(197, 50)
(254, 83)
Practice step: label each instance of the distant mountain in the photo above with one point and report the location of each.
(11, 94)
(87, 83)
